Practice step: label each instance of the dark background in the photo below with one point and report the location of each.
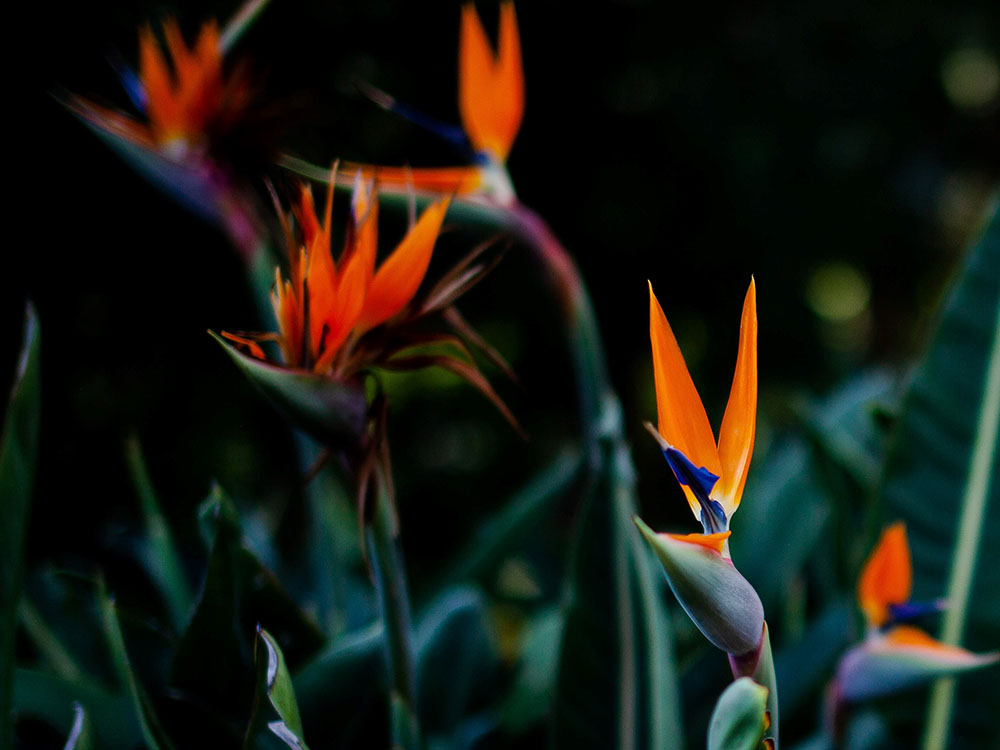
(841, 153)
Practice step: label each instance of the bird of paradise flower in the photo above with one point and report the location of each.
(895, 655)
(189, 103)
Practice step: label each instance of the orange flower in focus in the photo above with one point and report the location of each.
(324, 302)
(340, 317)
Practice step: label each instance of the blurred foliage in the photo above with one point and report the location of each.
(843, 154)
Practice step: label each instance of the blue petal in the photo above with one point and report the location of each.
(701, 481)
(130, 82)
(913, 610)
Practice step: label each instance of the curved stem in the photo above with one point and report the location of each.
(394, 601)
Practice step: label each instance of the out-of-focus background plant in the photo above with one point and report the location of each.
(844, 155)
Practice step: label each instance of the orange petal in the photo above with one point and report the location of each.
(509, 82)
(887, 575)
(715, 541)
(682, 419)
(739, 423)
(349, 300)
(490, 87)
(364, 211)
(398, 278)
(445, 180)
(321, 286)
(159, 85)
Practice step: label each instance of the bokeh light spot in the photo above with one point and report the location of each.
(971, 78)
(838, 291)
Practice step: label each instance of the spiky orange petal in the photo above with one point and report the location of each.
(398, 278)
(736, 435)
(681, 416)
(490, 87)
(887, 575)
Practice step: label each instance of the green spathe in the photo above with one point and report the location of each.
(878, 667)
(330, 410)
(739, 720)
(719, 600)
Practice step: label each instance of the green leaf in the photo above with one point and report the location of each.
(18, 455)
(456, 658)
(212, 660)
(45, 696)
(152, 732)
(80, 733)
(276, 713)
(159, 553)
(343, 685)
(738, 722)
(535, 681)
(331, 411)
(494, 539)
(615, 686)
(940, 478)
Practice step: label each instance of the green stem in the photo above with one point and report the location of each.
(390, 581)
(970, 528)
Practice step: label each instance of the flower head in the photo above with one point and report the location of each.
(491, 106)
(189, 109)
(719, 600)
(711, 474)
(325, 301)
(339, 316)
(894, 655)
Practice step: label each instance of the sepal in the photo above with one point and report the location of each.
(330, 410)
(903, 657)
(719, 600)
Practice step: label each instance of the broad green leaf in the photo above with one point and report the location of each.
(342, 689)
(534, 684)
(331, 411)
(275, 722)
(496, 537)
(804, 666)
(18, 455)
(158, 551)
(941, 479)
(615, 686)
(152, 732)
(738, 722)
(212, 660)
(80, 735)
(45, 696)
(456, 658)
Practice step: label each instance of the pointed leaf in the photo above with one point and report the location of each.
(152, 732)
(18, 455)
(738, 722)
(331, 411)
(942, 479)
(615, 686)
(275, 718)
(158, 550)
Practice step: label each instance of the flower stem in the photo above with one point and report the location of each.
(390, 581)
(970, 532)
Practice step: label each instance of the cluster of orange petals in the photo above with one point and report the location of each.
(187, 95)
(324, 302)
(887, 578)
